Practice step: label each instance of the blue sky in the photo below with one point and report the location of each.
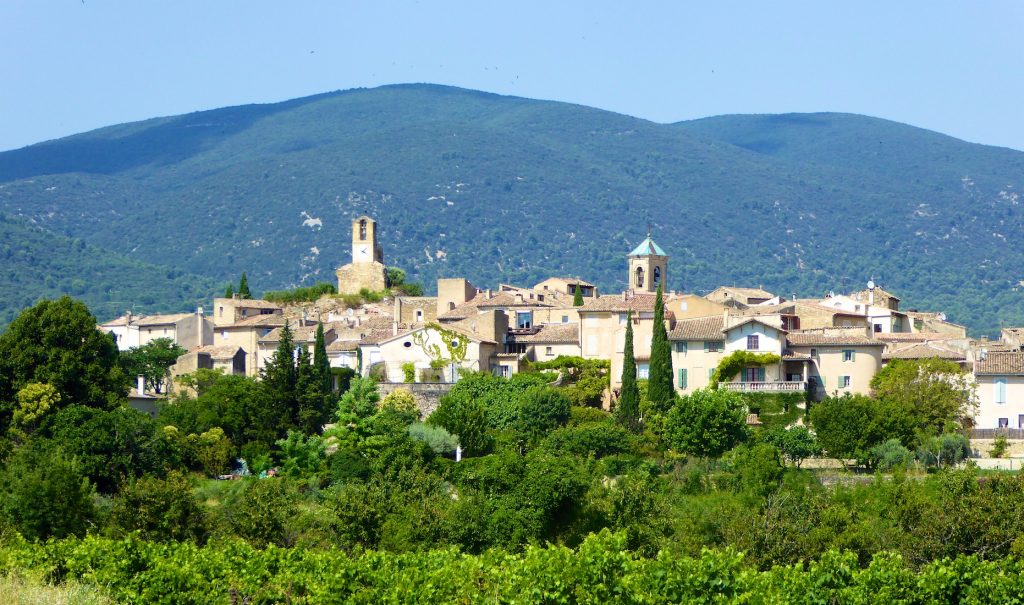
(955, 67)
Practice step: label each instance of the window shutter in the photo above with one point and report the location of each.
(682, 378)
(1000, 390)
(760, 374)
(853, 354)
(707, 347)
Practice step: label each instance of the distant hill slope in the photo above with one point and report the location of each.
(38, 264)
(508, 189)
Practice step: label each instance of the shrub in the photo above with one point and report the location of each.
(945, 450)
(891, 455)
(541, 409)
(596, 439)
(796, 443)
(409, 372)
(402, 404)
(436, 438)
(706, 423)
(999, 447)
(159, 509)
(466, 418)
(583, 415)
(44, 494)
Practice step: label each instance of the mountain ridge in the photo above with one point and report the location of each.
(504, 188)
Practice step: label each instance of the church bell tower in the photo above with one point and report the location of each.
(648, 267)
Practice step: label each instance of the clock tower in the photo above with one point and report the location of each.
(367, 270)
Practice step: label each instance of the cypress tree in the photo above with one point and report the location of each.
(243, 287)
(628, 412)
(278, 381)
(320, 361)
(310, 411)
(659, 387)
(230, 292)
(577, 299)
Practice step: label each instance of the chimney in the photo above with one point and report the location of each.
(625, 296)
(140, 384)
(489, 294)
(128, 317)
(519, 298)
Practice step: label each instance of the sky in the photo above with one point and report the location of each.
(68, 66)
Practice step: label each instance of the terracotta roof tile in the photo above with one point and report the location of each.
(924, 350)
(699, 328)
(1001, 363)
(218, 351)
(555, 333)
(642, 303)
(811, 339)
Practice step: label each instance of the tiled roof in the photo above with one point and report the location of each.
(756, 319)
(647, 248)
(914, 336)
(789, 355)
(699, 328)
(160, 320)
(569, 280)
(924, 350)
(343, 345)
(1001, 363)
(811, 339)
(497, 299)
(270, 320)
(636, 302)
(747, 292)
(303, 334)
(560, 333)
(218, 351)
(253, 303)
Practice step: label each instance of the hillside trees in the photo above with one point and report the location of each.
(938, 391)
(850, 426)
(56, 342)
(152, 360)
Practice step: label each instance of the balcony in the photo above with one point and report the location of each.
(775, 386)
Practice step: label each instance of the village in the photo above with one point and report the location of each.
(827, 346)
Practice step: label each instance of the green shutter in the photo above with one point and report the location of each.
(707, 347)
(760, 374)
(682, 378)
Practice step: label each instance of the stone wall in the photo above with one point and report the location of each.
(427, 395)
(355, 276)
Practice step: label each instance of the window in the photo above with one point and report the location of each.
(639, 277)
(1000, 390)
(565, 319)
(712, 346)
(657, 276)
(710, 372)
(643, 371)
(502, 371)
(223, 334)
(362, 229)
(878, 328)
(844, 382)
(753, 375)
(419, 314)
(814, 353)
(848, 354)
(753, 342)
(622, 319)
(682, 378)
(856, 308)
(549, 351)
(524, 319)
(682, 346)
(220, 312)
(1004, 423)
(451, 306)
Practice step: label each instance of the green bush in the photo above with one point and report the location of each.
(999, 447)
(161, 510)
(598, 439)
(439, 440)
(306, 294)
(944, 450)
(891, 455)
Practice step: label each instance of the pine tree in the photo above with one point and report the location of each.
(243, 288)
(310, 411)
(660, 390)
(230, 292)
(278, 381)
(321, 363)
(628, 412)
(577, 299)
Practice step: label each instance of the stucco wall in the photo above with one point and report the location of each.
(989, 412)
(427, 396)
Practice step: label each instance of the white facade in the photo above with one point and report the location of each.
(1000, 401)
(755, 337)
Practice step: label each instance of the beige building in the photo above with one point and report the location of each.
(228, 359)
(245, 334)
(1000, 390)
(187, 330)
(227, 311)
(648, 267)
(424, 347)
(565, 287)
(603, 331)
(415, 309)
(691, 306)
(303, 336)
(698, 346)
(840, 363)
(545, 342)
(367, 268)
(734, 296)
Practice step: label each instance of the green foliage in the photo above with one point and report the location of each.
(321, 363)
(585, 414)
(939, 391)
(706, 423)
(999, 447)
(795, 443)
(34, 402)
(230, 291)
(735, 362)
(628, 410)
(891, 455)
(44, 494)
(577, 297)
(759, 470)
(152, 360)
(851, 425)
(597, 439)
(946, 450)
(466, 418)
(409, 372)
(260, 514)
(56, 342)
(301, 455)
(243, 288)
(541, 409)
(660, 391)
(212, 450)
(437, 439)
(305, 294)
(161, 510)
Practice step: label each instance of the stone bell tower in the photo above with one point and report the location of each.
(367, 268)
(648, 267)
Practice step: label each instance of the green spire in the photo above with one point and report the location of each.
(660, 390)
(628, 412)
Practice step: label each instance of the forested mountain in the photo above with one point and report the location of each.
(38, 264)
(508, 189)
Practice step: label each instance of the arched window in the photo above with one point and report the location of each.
(639, 277)
(451, 306)
(657, 276)
(362, 228)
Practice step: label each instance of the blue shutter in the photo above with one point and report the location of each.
(707, 347)
(760, 374)
(682, 378)
(1000, 390)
